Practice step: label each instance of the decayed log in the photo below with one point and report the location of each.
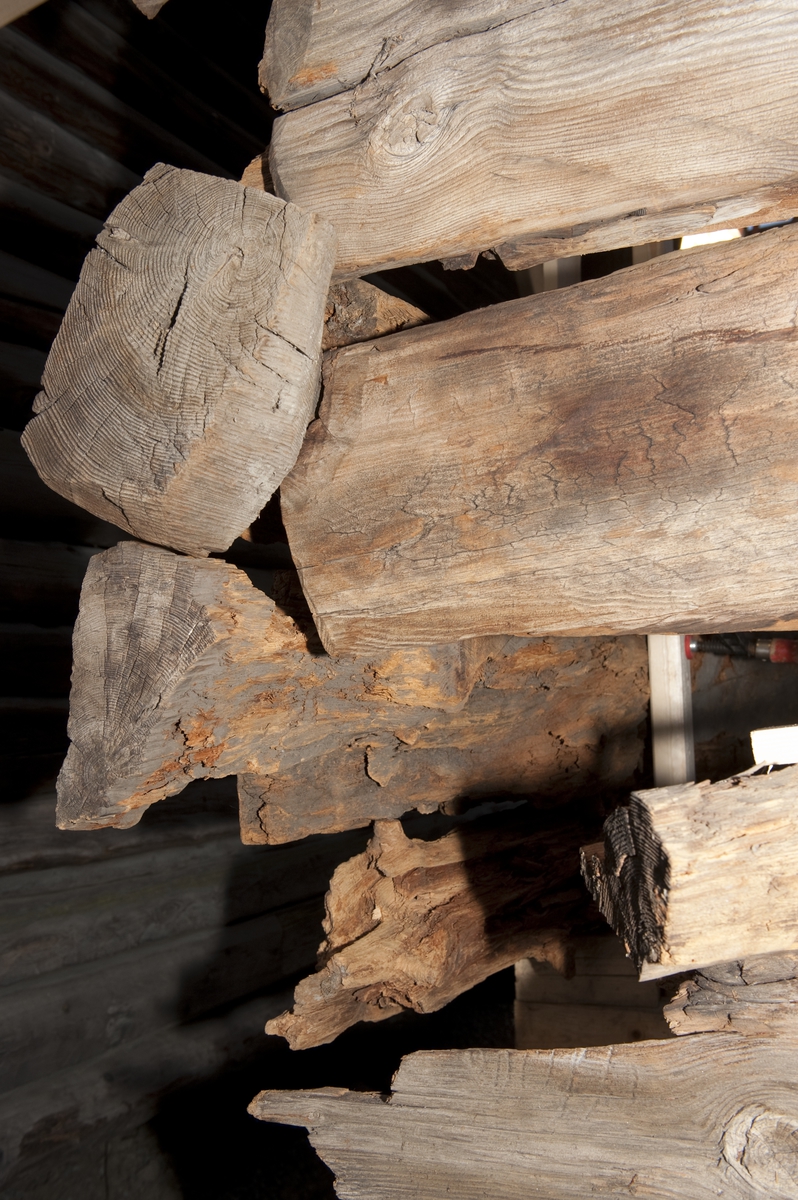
(618, 456)
(696, 874)
(756, 996)
(698, 1117)
(518, 113)
(357, 311)
(413, 923)
(183, 669)
(179, 387)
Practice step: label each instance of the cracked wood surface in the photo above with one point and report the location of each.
(614, 457)
(699, 1117)
(756, 996)
(538, 122)
(701, 873)
(183, 670)
(412, 923)
(177, 392)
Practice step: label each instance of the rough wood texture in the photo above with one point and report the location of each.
(519, 114)
(183, 669)
(413, 923)
(178, 390)
(756, 996)
(618, 456)
(698, 1117)
(696, 874)
(357, 311)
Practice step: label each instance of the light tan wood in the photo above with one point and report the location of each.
(670, 710)
(618, 456)
(412, 923)
(697, 874)
(179, 387)
(519, 114)
(11, 9)
(696, 1117)
(755, 996)
(184, 669)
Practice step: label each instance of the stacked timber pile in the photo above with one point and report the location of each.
(485, 515)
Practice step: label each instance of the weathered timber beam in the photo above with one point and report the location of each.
(518, 113)
(754, 996)
(701, 873)
(618, 456)
(179, 387)
(699, 1117)
(412, 923)
(183, 669)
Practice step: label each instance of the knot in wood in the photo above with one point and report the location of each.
(761, 1147)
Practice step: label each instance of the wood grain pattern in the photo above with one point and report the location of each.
(556, 122)
(178, 390)
(696, 874)
(618, 456)
(698, 1117)
(357, 311)
(411, 923)
(183, 669)
(755, 996)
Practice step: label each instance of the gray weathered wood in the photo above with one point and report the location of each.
(178, 390)
(697, 874)
(755, 996)
(519, 115)
(183, 669)
(411, 923)
(618, 456)
(701, 1117)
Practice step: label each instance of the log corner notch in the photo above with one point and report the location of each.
(698, 874)
(178, 390)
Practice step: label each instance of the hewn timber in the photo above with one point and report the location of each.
(697, 1117)
(618, 456)
(183, 669)
(518, 113)
(180, 384)
(701, 873)
(754, 996)
(412, 923)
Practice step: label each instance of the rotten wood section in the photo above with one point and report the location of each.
(184, 669)
(756, 996)
(518, 113)
(614, 457)
(177, 392)
(701, 873)
(411, 923)
(699, 1117)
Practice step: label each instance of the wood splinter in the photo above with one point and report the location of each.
(701, 873)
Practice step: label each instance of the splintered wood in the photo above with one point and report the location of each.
(412, 923)
(697, 874)
(531, 128)
(755, 996)
(177, 392)
(697, 1117)
(619, 456)
(185, 670)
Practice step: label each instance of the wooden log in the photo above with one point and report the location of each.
(179, 387)
(183, 669)
(698, 1117)
(519, 114)
(755, 996)
(697, 874)
(412, 923)
(584, 461)
(357, 312)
